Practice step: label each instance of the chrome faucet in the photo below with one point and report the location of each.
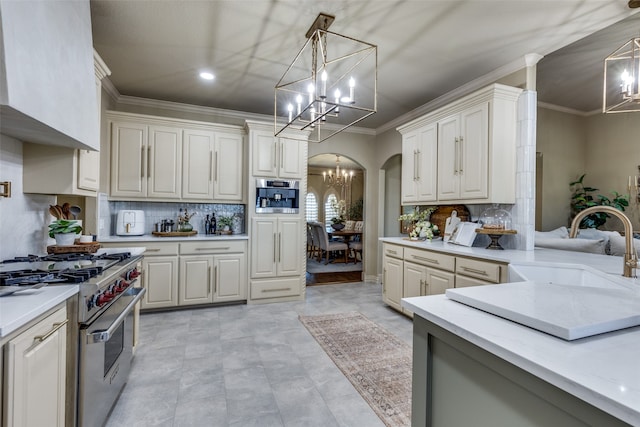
(630, 255)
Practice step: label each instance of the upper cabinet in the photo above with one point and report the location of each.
(169, 159)
(420, 164)
(48, 95)
(463, 152)
(276, 157)
(61, 170)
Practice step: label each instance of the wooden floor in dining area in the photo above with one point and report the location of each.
(333, 277)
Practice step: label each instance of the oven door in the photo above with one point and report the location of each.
(105, 358)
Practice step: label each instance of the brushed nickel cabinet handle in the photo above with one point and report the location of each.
(211, 162)
(149, 162)
(461, 153)
(213, 249)
(431, 260)
(152, 250)
(473, 270)
(56, 327)
(276, 290)
(209, 280)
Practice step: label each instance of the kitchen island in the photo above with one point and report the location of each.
(474, 368)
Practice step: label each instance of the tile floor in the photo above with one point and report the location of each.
(249, 365)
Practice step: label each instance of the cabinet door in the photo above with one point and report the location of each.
(128, 159)
(197, 164)
(36, 374)
(448, 158)
(289, 247)
(195, 280)
(88, 170)
(409, 182)
(290, 159)
(230, 277)
(264, 154)
(438, 281)
(414, 282)
(474, 152)
(263, 247)
(393, 278)
(229, 172)
(160, 281)
(165, 162)
(427, 163)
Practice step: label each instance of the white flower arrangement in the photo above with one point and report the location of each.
(424, 230)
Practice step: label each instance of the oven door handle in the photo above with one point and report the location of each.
(105, 335)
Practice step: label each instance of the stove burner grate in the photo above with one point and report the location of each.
(30, 277)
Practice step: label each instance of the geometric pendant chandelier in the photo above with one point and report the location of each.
(622, 79)
(330, 85)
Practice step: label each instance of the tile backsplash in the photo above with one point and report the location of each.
(155, 212)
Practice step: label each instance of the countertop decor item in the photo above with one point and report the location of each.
(81, 248)
(174, 233)
(64, 231)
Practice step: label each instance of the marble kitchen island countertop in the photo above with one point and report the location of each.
(601, 370)
(152, 238)
(20, 308)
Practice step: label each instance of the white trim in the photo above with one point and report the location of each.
(99, 66)
(111, 90)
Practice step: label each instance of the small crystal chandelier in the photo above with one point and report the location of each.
(330, 85)
(622, 79)
(341, 177)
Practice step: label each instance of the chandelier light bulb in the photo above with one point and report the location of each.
(290, 109)
(352, 90)
(324, 78)
(310, 89)
(299, 102)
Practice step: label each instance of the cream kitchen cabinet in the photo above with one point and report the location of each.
(463, 149)
(212, 165)
(160, 275)
(393, 275)
(277, 251)
(476, 150)
(279, 157)
(474, 272)
(146, 160)
(427, 273)
(36, 373)
(420, 165)
(212, 272)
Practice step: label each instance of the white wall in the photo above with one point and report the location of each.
(23, 217)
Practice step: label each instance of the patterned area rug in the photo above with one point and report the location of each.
(376, 362)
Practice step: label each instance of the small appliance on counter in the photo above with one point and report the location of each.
(130, 223)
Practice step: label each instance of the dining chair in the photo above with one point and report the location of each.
(327, 246)
(355, 244)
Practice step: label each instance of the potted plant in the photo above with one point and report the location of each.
(337, 222)
(419, 220)
(581, 199)
(64, 231)
(225, 223)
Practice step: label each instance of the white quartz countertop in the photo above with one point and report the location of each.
(152, 238)
(602, 370)
(604, 263)
(20, 308)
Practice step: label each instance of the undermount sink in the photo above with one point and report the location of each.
(568, 301)
(563, 274)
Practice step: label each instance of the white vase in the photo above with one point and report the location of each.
(65, 239)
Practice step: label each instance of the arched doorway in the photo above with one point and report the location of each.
(324, 192)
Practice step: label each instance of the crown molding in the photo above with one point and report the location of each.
(111, 90)
(567, 110)
(461, 91)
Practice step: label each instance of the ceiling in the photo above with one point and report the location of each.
(155, 49)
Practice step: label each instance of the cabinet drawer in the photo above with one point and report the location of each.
(484, 270)
(394, 251)
(276, 288)
(212, 246)
(431, 259)
(465, 282)
(153, 249)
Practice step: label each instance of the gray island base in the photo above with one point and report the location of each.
(456, 383)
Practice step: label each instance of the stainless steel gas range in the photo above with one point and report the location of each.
(108, 293)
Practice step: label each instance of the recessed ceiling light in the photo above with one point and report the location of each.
(206, 75)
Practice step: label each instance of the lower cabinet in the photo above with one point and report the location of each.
(194, 272)
(36, 373)
(411, 272)
(219, 275)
